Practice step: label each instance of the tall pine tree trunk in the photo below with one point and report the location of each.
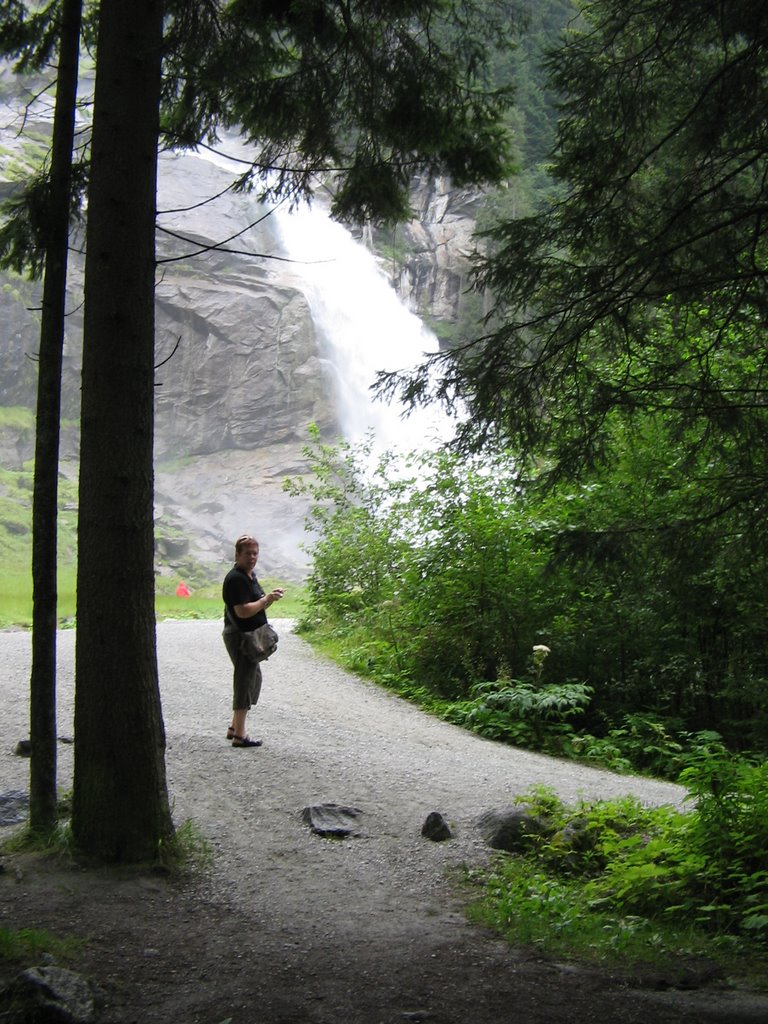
(120, 803)
(42, 778)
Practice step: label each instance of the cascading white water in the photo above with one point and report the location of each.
(363, 328)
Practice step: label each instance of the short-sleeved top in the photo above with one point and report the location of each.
(240, 588)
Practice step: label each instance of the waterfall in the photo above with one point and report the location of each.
(362, 327)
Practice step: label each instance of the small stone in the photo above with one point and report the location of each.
(436, 828)
(337, 820)
(14, 804)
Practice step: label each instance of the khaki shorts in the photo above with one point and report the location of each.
(247, 674)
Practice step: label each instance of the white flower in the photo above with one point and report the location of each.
(541, 649)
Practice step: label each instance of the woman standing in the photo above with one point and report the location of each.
(245, 607)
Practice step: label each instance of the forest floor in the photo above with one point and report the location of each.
(286, 926)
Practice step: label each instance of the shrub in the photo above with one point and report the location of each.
(674, 879)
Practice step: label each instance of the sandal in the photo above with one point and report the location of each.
(244, 741)
(230, 733)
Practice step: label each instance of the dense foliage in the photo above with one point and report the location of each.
(623, 363)
(657, 233)
(625, 348)
(439, 574)
(354, 95)
(615, 879)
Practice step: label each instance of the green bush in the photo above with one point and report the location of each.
(614, 876)
(522, 712)
(442, 572)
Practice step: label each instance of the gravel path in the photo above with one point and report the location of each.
(335, 914)
(328, 737)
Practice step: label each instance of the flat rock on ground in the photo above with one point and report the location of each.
(291, 927)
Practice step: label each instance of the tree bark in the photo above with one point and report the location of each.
(42, 779)
(120, 802)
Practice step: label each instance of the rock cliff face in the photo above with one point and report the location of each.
(243, 367)
(432, 280)
(241, 374)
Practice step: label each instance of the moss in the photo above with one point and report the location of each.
(25, 945)
(16, 417)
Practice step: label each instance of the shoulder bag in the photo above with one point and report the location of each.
(260, 643)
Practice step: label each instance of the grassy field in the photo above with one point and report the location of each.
(204, 581)
(205, 603)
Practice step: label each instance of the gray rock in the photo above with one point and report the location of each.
(14, 805)
(49, 995)
(434, 276)
(511, 828)
(572, 841)
(172, 547)
(576, 835)
(332, 819)
(436, 828)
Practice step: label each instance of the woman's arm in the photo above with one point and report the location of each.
(247, 611)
